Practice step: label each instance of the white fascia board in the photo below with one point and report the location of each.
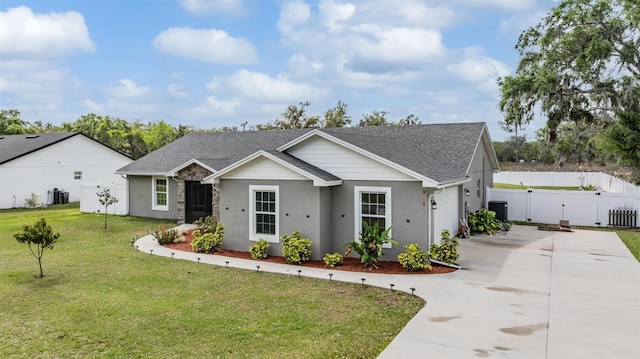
(426, 181)
(174, 172)
(486, 139)
(156, 174)
(453, 183)
(317, 181)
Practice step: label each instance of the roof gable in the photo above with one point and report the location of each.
(277, 166)
(16, 146)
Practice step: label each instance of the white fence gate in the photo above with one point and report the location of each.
(89, 202)
(582, 208)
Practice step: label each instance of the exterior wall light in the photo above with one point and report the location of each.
(467, 192)
(434, 205)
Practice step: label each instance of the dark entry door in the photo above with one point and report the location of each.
(197, 201)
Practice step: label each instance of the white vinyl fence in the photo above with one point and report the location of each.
(89, 202)
(582, 208)
(603, 181)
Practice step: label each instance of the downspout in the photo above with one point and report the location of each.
(431, 217)
(127, 191)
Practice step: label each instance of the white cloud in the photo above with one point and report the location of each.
(177, 91)
(398, 45)
(227, 107)
(25, 35)
(128, 90)
(334, 15)
(293, 14)
(261, 87)
(509, 5)
(93, 107)
(480, 70)
(212, 45)
(213, 6)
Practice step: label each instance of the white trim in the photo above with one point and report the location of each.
(174, 172)
(154, 205)
(253, 236)
(317, 181)
(426, 182)
(357, 208)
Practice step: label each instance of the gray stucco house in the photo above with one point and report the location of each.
(323, 182)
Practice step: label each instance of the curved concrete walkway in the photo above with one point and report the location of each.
(527, 294)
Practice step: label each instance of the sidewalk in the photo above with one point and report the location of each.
(528, 294)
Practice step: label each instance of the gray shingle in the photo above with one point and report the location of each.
(16, 146)
(441, 152)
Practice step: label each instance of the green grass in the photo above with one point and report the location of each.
(631, 239)
(102, 298)
(517, 186)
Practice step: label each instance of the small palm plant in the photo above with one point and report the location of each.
(369, 246)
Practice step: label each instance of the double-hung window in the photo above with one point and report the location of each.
(372, 205)
(264, 216)
(160, 194)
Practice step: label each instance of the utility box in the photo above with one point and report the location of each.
(501, 208)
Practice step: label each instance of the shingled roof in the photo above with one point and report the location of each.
(441, 152)
(16, 146)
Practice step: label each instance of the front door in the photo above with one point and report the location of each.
(197, 201)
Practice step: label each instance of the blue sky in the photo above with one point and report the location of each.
(214, 63)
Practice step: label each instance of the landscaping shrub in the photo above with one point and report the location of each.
(259, 249)
(165, 236)
(483, 221)
(332, 259)
(447, 250)
(207, 224)
(414, 259)
(208, 242)
(295, 249)
(369, 246)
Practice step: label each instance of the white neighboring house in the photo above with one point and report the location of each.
(32, 165)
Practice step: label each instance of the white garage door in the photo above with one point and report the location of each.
(446, 215)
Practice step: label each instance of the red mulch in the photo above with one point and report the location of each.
(350, 264)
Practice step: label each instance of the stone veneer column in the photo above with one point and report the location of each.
(193, 172)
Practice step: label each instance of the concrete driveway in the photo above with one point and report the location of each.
(530, 294)
(527, 294)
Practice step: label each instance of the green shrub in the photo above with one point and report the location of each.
(295, 249)
(207, 224)
(590, 187)
(165, 236)
(259, 249)
(447, 251)
(369, 246)
(332, 259)
(483, 221)
(208, 242)
(414, 259)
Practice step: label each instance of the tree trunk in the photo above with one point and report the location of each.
(105, 217)
(40, 264)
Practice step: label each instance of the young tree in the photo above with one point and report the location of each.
(11, 123)
(106, 199)
(337, 116)
(410, 121)
(38, 237)
(580, 64)
(376, 118)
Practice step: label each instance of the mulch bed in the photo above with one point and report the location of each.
(350, 264)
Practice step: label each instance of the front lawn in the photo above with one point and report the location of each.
(632, 240)
(102, 298)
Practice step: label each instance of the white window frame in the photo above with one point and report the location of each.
(273, 238)
(77, 175)
(357, 207)
(154, 194)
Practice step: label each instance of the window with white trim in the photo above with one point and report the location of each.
(372, 205)
(264, 213)
(160, 194)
